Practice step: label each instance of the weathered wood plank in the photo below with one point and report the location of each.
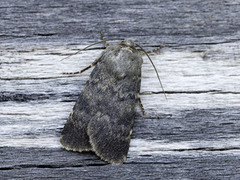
(37, 163)
(173, 23)
(47, 95)
(192, 135)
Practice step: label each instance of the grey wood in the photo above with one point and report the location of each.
(37, 163)
(171, 22)
(194, 134)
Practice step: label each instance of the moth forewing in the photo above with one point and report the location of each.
(103, 116)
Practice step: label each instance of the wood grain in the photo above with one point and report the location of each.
(194, 134)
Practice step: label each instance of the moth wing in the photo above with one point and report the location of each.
(104, 114)
(118, 86)
(74, 135)
(110, 136)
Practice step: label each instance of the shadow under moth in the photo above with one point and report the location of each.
(103, 116)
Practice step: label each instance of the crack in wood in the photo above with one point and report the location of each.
(189, 92)
(48, 166)
(37, 78)
(45, 34)
(206, 149)
(22, 97)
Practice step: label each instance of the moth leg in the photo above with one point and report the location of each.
(156, 49)
(86, 68)
(102, 35)
(102, 38)
(141, 106)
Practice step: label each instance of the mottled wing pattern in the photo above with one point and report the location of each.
(103, 116)
(74, 135)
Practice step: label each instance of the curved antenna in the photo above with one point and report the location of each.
(154, 68)
(98, 42)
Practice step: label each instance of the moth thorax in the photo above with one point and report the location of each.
(128, 42)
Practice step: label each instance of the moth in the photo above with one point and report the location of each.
(103, 116)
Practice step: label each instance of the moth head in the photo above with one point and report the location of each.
(128, 42)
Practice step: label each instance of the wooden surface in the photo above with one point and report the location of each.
(194, 134)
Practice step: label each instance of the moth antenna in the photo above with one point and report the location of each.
(98, 42)
(86, 68)
(102, 35)
(154, 68)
